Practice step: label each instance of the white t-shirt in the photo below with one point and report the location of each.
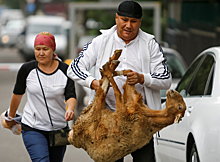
(57, 88)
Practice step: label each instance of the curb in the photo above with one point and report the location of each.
(10, 66)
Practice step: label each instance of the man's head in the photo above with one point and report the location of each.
(130, 9)
(128, 20)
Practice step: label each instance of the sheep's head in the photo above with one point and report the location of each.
(175, 105)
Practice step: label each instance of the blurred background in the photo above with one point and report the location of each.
(188, 26)
(183, 27)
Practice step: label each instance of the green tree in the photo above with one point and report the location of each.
(13, 4)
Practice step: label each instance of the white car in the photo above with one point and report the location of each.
(197, 137)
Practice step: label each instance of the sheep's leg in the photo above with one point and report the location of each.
(108, 70)
(123, 72)
(117, 92)
(106, 73)
(130, 93)
(105, 84)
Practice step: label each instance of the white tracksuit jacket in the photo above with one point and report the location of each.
(97, 53)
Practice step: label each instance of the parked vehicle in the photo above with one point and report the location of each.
(10, 14)
(177, 67)
(11, 31)
(84, 40)
(56, 25)
(196, 137)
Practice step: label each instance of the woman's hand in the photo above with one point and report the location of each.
(71, 104)
(15, 101)
(10, 123)
(69, 115)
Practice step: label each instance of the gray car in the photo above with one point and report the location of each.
(11, 31)
(176, 65)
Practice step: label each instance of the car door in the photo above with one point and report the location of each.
(171, 144)
(198, 99)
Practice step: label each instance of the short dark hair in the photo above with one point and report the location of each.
(130, 9)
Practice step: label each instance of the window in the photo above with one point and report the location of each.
(186, 80)
(202, 76)
(53, 29)
(209, 85)
(175, 66)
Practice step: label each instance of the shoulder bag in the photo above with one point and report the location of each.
(58, 137)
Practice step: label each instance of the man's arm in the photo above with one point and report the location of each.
(78, 69)
(159, 76)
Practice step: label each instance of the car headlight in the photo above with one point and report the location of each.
(5, 39)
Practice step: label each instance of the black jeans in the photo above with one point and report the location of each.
(144, 154)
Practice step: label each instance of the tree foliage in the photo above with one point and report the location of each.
(13, 4)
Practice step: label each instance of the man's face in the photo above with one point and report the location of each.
(127, 27)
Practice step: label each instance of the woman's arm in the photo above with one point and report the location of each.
(15, 101)
(71, 104)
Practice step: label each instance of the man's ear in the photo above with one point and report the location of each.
(116, 17)
(140, 23)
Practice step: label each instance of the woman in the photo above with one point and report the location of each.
(57, 87)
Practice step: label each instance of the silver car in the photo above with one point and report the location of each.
(176, 65)
(11, 31)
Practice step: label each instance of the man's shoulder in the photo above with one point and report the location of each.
(106, 32)
(105, 35)
(145, 36)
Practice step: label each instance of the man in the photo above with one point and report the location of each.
(140, 53)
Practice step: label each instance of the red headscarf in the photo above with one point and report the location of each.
(45, 38)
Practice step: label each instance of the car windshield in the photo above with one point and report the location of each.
(175, 66)
(35, 29)
(15, 24)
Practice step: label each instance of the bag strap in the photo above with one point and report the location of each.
(44, 98)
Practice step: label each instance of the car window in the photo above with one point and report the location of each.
(174, 65)
(14, 24)
(186, 80)
(208, 90)
(35, 29)
(202, 76)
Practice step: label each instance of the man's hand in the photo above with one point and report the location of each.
(95, 84)
(134, 78)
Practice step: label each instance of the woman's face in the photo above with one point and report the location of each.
(43, 54)
(127, 28)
